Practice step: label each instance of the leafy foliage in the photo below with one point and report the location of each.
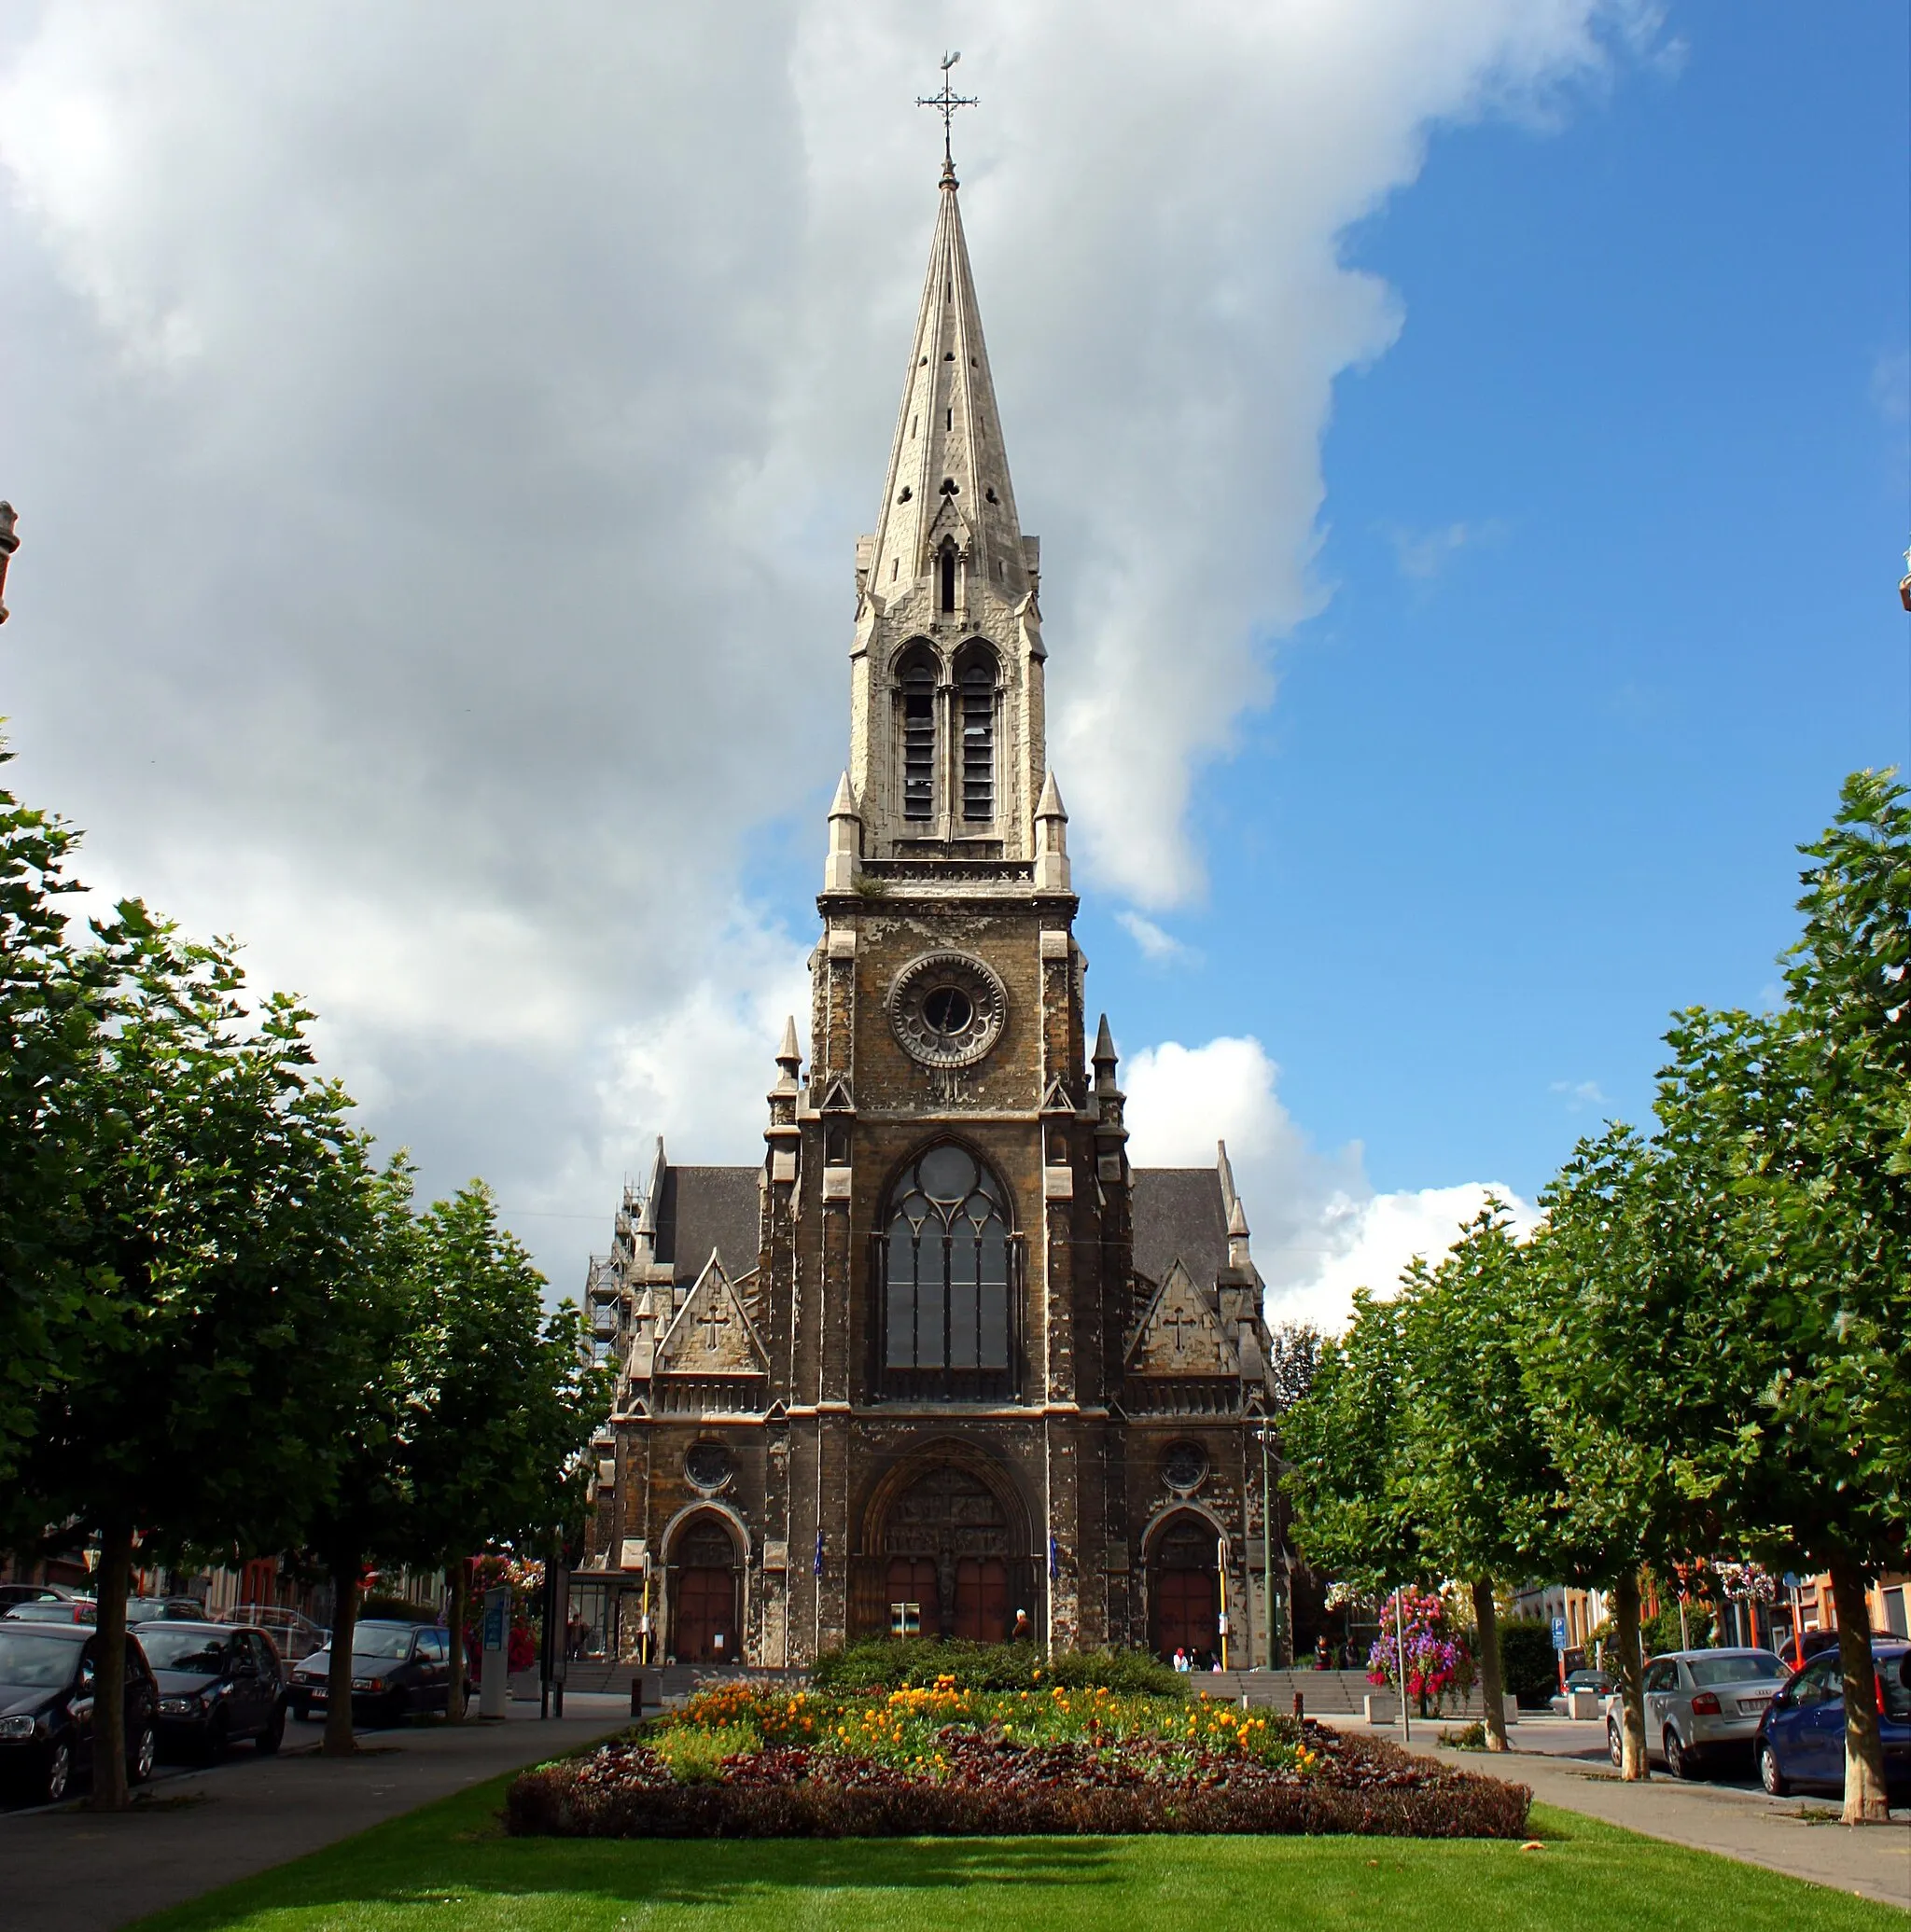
(1528, 1664)
(882, 1663)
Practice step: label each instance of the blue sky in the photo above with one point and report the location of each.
(1611, 539)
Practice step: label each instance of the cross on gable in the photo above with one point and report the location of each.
(716, 1318)
(1177, 1322)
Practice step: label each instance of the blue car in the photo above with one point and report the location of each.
(1801, 1738)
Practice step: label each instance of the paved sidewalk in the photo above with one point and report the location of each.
(1566, 1765)
(80, 1872)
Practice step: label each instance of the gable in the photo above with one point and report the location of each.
(1181, 1333)
(712, 1333)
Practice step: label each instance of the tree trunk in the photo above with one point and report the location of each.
(1866, 1801)
(1636, 1765)
(110, 1793)
(459, 1572)
(339, 1739)
(1492, 1701)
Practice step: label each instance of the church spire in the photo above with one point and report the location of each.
(946, 753)
(948, 486)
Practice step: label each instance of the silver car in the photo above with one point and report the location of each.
(1702, 1703)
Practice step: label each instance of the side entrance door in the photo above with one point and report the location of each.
(705, 1626)
(1186, 1614)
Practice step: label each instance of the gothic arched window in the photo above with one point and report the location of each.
(917, 681)
(948, 1326)
(975, 679)
(945, 571)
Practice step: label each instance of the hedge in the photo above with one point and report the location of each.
(894, 1663)
(1528, 1664)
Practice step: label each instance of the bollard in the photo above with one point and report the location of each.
(638, 1695)
(1300, 1703)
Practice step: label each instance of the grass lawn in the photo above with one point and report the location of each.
(447, 1866)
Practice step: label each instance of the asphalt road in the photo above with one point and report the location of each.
(68, 1867)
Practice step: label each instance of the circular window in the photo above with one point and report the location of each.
(948, 1008)
(709, 1465)
(1184, 1466)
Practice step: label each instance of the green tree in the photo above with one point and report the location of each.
(1793, 1131)
(1344, 1446)
(1621, 1374)
(365, 1514)
(221, 1210)
(1474, 1474)
(54, 999)
(504, 1400)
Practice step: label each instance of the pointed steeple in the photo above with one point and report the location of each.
(947, 712)
(948, 468)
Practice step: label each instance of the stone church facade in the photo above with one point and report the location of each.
(943, 1359)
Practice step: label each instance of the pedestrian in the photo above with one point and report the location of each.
(1023, 1629)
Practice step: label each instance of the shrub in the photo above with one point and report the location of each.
(1528, 1664)
(696, 1757)
(396, 1609)
(1469, 1737)
(895, 1663)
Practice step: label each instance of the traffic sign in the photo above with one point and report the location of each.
(1559, 1633)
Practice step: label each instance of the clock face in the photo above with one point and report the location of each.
(948, 1008)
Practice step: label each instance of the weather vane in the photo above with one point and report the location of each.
(948, 101)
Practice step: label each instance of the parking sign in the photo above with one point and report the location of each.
(1559, 1633)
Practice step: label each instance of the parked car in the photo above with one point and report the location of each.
(11, 1594)
(296, 1637)
(53, 1609)
(162, 1609)
(46, 1708)
(1590, 1682)
(396, 1668)
(1702, 1704)
(217, 1686)
(1801, 1737)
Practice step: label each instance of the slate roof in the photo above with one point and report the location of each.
(1179, 1215)
(701, 1208)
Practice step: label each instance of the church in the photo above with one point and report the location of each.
(942, 1361)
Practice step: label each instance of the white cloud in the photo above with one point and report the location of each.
(1158, 946)
(1423, 554)
(1580, 1094)
(1319, 1230)
(1891, 386)
(448, 427)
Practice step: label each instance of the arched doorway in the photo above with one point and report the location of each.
(704, 1623)
(1184, 1589)
(945, 1549)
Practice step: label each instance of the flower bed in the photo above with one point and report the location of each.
(938, 1759)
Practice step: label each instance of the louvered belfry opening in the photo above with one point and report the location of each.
(947, 1265)
(918, 683)
(976, 681)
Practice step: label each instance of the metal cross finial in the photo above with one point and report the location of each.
(948, 101)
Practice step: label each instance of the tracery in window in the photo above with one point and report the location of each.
(975, 678)
(918, 684)
(946, 1267)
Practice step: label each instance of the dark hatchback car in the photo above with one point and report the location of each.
(218, 1686)
(396, 1668)
(1801, 1739)
(47, 1709)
